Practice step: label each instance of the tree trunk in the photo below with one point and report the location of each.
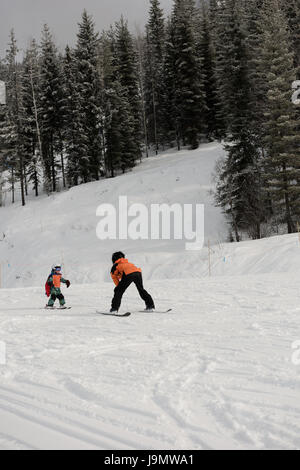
(25, 181)
(53, 167)
(21, 163)
(63, 169)
(154, 120)
(235, 227)
(12, 185)
(19, 130)
(36, 184)
(142, 95)
(258, 231)
(290, 224)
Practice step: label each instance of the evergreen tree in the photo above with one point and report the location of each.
(140, 48)
(50, 108)
(89, 98)
(153, 66)
(113, 124)
(239, 189)
(127, 70)
(32, 137)
(208, 56)
(189, 97)
(171, 113)
(292, 11)
(13, 126)
(120, 140)
(216, 28)
(282, 160)
(75, 145)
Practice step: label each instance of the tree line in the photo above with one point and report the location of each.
(212, 70)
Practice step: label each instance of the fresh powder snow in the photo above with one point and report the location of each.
(218, 372)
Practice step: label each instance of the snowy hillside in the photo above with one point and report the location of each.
(218, 372)
(62, 228)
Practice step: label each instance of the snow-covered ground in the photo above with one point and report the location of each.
(215, 373)
(62, 228)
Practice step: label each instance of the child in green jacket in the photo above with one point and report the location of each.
(53, 287)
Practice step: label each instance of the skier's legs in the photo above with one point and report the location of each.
(52, 300)
(119, 292)
(138, 280)
(56, 294)
(61, 299)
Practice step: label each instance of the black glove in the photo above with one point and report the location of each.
(68, 284)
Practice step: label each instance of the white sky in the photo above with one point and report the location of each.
(27, 17)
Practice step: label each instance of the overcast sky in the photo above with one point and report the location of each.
(27, 17)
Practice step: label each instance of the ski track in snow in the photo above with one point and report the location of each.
(215, 373)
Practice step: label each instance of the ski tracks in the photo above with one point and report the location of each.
(216, 374)
(52, 425)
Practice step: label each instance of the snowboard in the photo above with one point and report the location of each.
(127, 314)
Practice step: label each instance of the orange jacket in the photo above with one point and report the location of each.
(56, 279)
(122, 268)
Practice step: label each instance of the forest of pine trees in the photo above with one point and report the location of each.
(213, 70)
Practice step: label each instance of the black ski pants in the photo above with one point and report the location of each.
(126, 281)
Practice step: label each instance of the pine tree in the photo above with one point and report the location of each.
(140, 48)
(282, 160)
(75, 146)
(9, 143)
(120, 139)
(292, 11)
(127, 70)
(113, 123)
(153, 66)
(2, 142)
(189, 95)
(257, 80)
(89, 98)
(13, 126)
(171, 113)
(32, 136)
(207, 55)
(240, 184)
(50, 108)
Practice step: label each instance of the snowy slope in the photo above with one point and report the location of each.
(216, 373)
(62, 228)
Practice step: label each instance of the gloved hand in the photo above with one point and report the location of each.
(68, 284)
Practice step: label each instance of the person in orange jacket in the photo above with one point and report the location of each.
(124, 274)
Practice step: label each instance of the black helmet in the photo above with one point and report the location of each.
(117, 256)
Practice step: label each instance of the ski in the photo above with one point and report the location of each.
(155, 311)
(127, 314)
(57, 308)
